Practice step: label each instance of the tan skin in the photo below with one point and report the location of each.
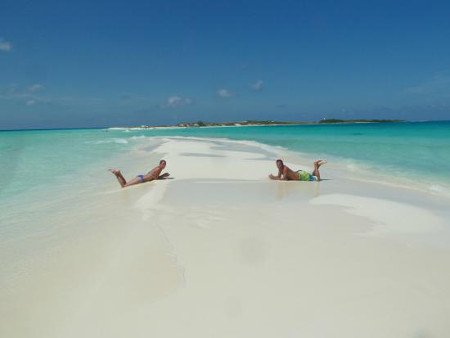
(287, 174)
(154, 174)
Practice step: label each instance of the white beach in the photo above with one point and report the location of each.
(222, 251)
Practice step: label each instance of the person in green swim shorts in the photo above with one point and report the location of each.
(287, 174)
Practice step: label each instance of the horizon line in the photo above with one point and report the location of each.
(116, 126)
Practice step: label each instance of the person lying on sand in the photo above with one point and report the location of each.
(287, 174)
(153, 174)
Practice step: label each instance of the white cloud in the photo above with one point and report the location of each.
(27, 95)
(32, 95)
(224, 93)
(177, 101)
(258, 85)
(5, 46)
(438, 85)
(36, 88)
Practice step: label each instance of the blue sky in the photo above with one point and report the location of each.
(103, 63)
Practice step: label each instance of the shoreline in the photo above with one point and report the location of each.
(289, 123)
(256, 257)
(256, 124)
(365, 173)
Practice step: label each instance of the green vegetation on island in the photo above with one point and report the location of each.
(239, 123)
(267, 123)
(273, 122)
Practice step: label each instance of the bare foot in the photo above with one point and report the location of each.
(320, 163)
(114, 171)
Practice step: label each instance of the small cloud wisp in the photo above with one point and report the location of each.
(177, 101)
(5, 46)
(224, 93)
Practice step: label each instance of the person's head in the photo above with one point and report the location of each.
(280, 164)
(162, 163)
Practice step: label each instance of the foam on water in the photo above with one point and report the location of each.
(418, 153)
(113, 140)
(406, 148)
(77, 250)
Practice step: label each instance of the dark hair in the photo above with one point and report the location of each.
(162, 161)
(280, 161)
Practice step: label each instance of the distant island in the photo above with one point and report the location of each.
(358, 121)
(264, 123)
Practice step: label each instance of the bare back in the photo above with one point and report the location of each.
(153, 174)
(289, 174)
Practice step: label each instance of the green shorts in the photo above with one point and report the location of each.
(306, 176)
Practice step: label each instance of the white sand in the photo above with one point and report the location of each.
(222, 251)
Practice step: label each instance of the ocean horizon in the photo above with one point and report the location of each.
(78, 249)
(412, 151)
(118, 126)
(141, 188)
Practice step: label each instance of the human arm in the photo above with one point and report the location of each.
(163, 176)
(281, 175)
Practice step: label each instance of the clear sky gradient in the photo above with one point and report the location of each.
(105, 63)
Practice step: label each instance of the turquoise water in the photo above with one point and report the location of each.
(31, 159)
(420, 150)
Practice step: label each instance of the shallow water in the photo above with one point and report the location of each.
(418, 151)
(82, 257)
(416, 148)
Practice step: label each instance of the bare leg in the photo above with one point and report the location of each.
(119, 177)
(317, 165)
(134, 181)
